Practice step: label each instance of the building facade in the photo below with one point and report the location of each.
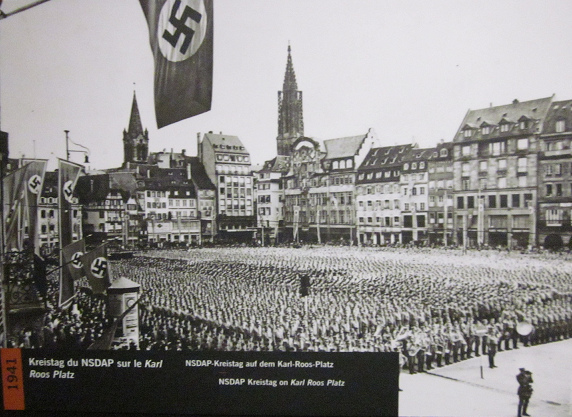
(495, 160)
(227, 164)
(554, 210)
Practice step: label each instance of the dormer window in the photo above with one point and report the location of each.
(504, 127)
(443, 152)
(523, 124)
(421, 165)
(467, 133)
(485, 130)
(560, 125)
(406, 167)
(414, 165)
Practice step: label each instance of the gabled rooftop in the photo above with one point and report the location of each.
(343, 147)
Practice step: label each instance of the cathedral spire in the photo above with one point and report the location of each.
(135, 125)
(290, 76)
(290, 114)
(135, 139)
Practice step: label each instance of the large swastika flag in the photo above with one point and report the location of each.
(96, 267)
(181, 38)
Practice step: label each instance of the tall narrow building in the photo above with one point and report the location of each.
(135, 139)
(290, 114)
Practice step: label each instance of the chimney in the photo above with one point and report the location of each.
(515, 101)
(199, 147)
(183, 151)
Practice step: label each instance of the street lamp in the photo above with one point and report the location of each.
(68, 150)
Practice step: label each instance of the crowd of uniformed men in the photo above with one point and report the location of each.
(435, 306)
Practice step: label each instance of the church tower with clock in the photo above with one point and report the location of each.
(290, 114)
(135, 139)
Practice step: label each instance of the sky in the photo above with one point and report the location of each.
(408, 69)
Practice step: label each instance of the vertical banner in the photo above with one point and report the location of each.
(181, 38)
(72, 257)
(96, 269)
(68, 174)
(13, 202)
(34, 183)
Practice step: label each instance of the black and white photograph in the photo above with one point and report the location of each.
(234, 183)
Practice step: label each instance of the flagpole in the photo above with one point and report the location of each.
(21, 9)
(4, 330)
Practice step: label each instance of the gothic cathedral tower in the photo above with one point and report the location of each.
(290, 115)
(135, 139)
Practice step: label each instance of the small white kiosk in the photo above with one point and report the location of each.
(122, 295)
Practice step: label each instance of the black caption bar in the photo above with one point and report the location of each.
(253, 383)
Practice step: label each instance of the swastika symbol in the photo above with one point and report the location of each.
(180, 26)
(68, 191)
(76, 260)
(99, 267)
(34, 184)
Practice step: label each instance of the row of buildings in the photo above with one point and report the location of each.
(504, 179)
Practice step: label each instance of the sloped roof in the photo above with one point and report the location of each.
(199, 175)
(280, 163)
(559, 110)
(532, 109)
(226, 143)
(416, 154)
(343, 147)
(385, 156)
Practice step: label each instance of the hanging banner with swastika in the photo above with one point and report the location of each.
(181, 38)
(96, 266)
(73, 254)
(13, 200)
(34, 183)
(68, 174)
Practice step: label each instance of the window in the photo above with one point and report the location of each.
(497, 148)
(560, 125)
(522, 181)
(465, 169)
(467, 133)
(414, 165)
(502, 164)
(558, 169)
(465, 185)
(548, 190)
(516, 200)
(471, 202)
(522, 144)
(558, 190)
(483, 165)
(504, 127)
(503, 201)
(421, 165)
(554, 217)
(460, 202)
(405, 166)
(502, 182)
(485, 130)
(522, 164)
(466, 150)
(443, 152)
(492, 201)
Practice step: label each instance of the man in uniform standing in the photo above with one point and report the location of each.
(524, 392)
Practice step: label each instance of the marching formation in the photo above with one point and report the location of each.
(434, 306)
